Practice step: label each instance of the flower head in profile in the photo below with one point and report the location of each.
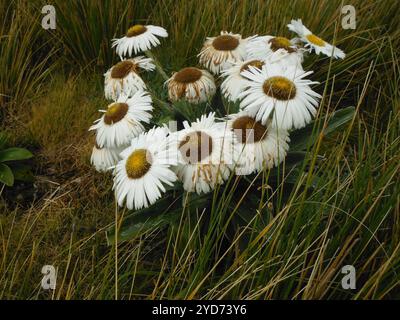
(217, 51)
(280, 93)
(103, 159)
(192, 84)
(256, 146)
(234, 83)
(123, 120)
(275, 49)
(145, 169)
(123, 78)
(313, 42)
(205, 154)
(139, 38)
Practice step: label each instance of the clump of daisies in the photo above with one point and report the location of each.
(263, 74)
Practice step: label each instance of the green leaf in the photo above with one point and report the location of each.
(22, 172)
(6, 175)
(294, 158)
(3, 140)
(157, 215)
(12, 154)
(303, 138)
(165, 211)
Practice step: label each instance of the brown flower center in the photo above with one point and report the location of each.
(115, 112)
(315, 40)
(281, 43)
(248, 130)
(196, 146)
(136, 30)
(122, 69)
(279, 88)
(253, 63)
(188, 75)
(138, 163)
(225, 43)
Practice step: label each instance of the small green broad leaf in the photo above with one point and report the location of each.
(303, 138)
(6, 175)
(22, 172)
(12, 154)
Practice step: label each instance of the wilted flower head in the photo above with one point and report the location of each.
(275, 50)
(256, 146)
(192, 84)
(123, 78)
(217, 51)
(205, 153)
(234, 83)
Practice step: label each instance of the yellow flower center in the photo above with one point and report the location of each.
(281, 43)
(188, 75)
(225, 43)
(196, 146)
(138, 163)
(315, 40)
(246, 127)
(115, 112)
(254, 63)
(122, 69)
(136, 30)
(279, 88)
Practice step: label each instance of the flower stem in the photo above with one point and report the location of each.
(159, 68)
(160, 102)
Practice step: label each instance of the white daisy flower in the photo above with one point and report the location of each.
(217, 51)
(313, 42)
(122, 120)
(145, 169)
(123, 78)
(235, 83)
(192, 84)
(205, 154)
(139, 38)
(103, 159)
(280, 90)
(275, 49)
(257, 146)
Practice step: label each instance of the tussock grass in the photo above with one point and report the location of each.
(62, 114)
(305, 224)
(24, 66)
